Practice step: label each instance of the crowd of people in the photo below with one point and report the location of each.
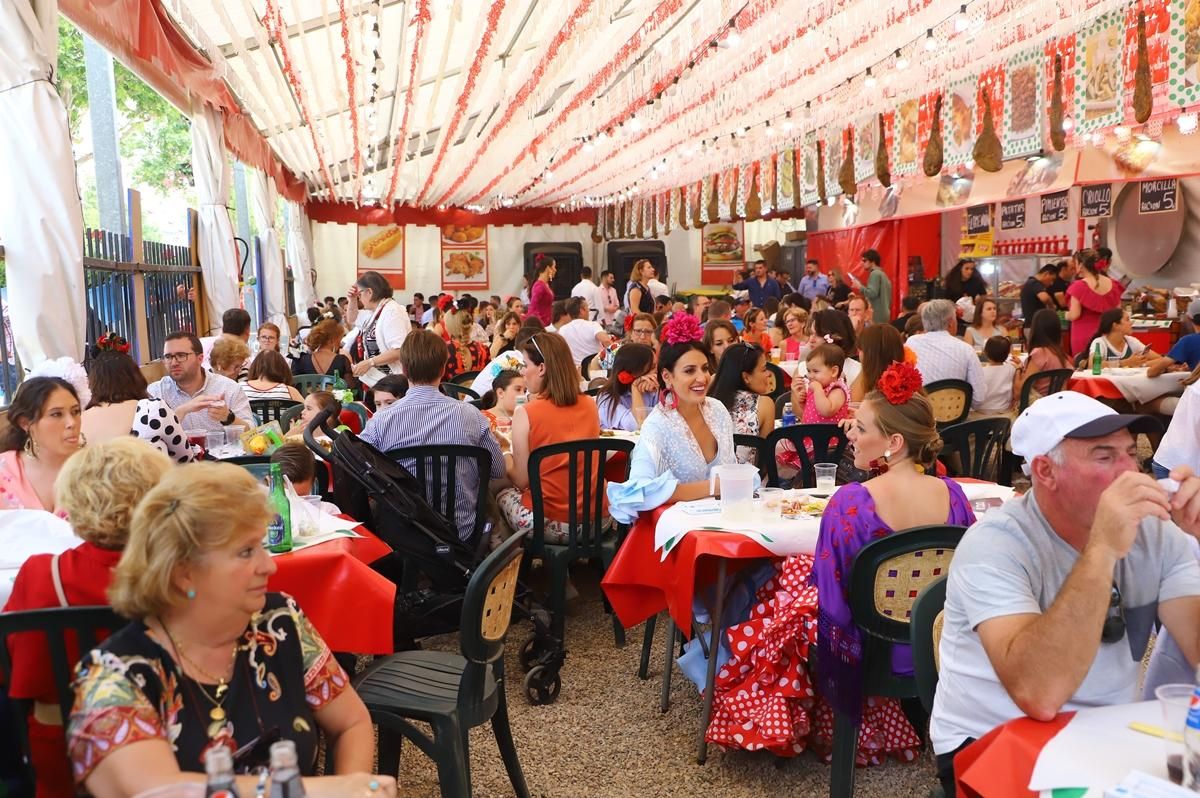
(175, 544)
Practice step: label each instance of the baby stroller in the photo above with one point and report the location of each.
(370, 485)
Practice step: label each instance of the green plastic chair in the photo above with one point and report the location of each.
(1058, 381)
(464, 378)
(925, 632)
(453, 693)
(308, 383)
(980, 446)
(828, 442)
(267, 410)
(886, 577)
(68, 633)
(287, 417)
(586, 465)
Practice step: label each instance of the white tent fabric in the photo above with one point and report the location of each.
(262, 199)
(300, 257)
(218, 252)
(40, 213)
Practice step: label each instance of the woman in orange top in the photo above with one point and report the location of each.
(754, 329)
(556, 413)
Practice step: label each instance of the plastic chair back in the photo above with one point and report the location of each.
(828, 443)
(780, 401)
(759, 445)
(358, 414)
(309, 383)
(1055, 380)
(780, 388)
(951, 400)
(585, 365)
(979, 445)
(464, 378)
(260, 467)
(924, 634)
(268, 410)
(455, 391)
(436, 467)
(486, 615)
(289, 417)
(586, 462)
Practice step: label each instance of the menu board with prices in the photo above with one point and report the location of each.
(1056, 207)
(1158, 196)
(1095, 202)
(1012, 215)
(979, 219)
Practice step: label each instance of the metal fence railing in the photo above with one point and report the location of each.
(170, 292)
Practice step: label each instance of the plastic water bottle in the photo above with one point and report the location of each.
(285, 773)
(218, 767)
(789, 417)
(1191, 743)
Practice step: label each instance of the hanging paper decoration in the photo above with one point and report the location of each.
(598, 227)
(785, 180)
(932, 163)
(726, 190)
(1099, 73)
(662, 207)
(691, 203)
(627, 219)
(882, 172)
(822, 189)
(673, 206)
(812, 177)
(1143, 101)
(834, 150)
(960, 121)
(745, 179)
(1024, 100)
(1185, 53)
(708, 200)
(865, 136)
(765, 175)
(610, 221)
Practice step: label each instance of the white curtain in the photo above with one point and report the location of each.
(218, 252)
(262, 199)
(300, 257)
(40, 216)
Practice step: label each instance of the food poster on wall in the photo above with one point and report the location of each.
(1158, 46)
(785, 179)
(722, 252)
(765, 175)
(1099, 69)
(960, 115)
(911, 128)
(978, 232)
(381, 249)
(809, 195)
(672, 211)
(464, 257)
(662, 207)
(1023, 103)
(866, 141)
(835, 148)
(726, 189)
(707, 187)
(691, 195)
(1185, 52)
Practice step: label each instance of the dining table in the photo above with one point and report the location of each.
(1130, 384)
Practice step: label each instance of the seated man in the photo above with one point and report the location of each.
(200, 399)
(427, 417)
(1051, 598)
(583, 336)
(1185, 354)
(942, 356)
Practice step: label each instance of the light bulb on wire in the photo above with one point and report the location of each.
(635, 124)
(870, 81)
(930, 42)
(901, 61)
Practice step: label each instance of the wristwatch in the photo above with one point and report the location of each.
(229, 419)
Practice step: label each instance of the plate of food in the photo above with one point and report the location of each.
(804, 506)
(962, 117)
(462, 234)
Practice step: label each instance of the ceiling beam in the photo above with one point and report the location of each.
(308, 26)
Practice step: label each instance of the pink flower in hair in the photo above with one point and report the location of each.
(682, 328)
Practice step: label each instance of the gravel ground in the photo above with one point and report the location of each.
(605, 736)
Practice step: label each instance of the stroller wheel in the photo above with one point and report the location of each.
(542, 685)
(530, 652)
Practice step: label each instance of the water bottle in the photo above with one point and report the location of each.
(1097, 361)
(218, 766)
(1191, 743)
(279, 528)
(789, 417)
(285, 773)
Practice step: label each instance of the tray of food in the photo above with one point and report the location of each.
(804, 506)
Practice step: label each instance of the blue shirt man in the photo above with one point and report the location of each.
(813, 284)
(760, 286)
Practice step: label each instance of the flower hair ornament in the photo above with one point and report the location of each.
(445, 302)
(681, 329)
(67, 369)
(828, 338)
(625, 377)
(111, 342)
(899, 382)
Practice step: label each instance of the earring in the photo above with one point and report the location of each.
(191, 593)
(887, 455)
(31, 447)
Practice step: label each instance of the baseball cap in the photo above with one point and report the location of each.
(1069, 414)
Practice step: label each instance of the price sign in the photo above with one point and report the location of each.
(979, 219)
(1158, 196)
(1095, 202)
(1012, 215)
(1056, 207)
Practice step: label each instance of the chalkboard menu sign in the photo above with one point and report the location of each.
(1095, 202)
(1158, 196)
(1056, 207)
(1012, 215)
(979, 219)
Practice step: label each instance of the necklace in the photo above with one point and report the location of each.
(217, 714)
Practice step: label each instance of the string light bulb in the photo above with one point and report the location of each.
(962, 22)
(769, 131)
(635, 124)
(787, 122)
(901, 61)
(930, 42)
(870, 81)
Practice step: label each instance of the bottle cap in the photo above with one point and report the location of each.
(283, 755)
(218, 761)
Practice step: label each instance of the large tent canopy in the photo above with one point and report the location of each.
(481, 104)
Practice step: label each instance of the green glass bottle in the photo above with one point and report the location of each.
(1097, 361)
(279, 528)
(338, 383)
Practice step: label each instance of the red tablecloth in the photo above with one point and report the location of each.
(349, 604)
(1097, 388)
(639, 583)
(1001, 762)
(1158, 339)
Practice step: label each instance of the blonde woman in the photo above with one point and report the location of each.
(228, 357)
(465, 354)
(209, 653)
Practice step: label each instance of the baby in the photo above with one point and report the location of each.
(824, 393)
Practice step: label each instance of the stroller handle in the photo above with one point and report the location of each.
(321, 422)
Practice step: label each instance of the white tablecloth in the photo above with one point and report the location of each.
(1135, 386)
(781, 536)
(1097, 749)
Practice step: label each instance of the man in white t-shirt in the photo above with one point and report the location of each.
(587, 290)
(584, 336)
(657, 287)
(1051, 598)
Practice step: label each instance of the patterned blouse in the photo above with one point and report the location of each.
(130, 689)
(745, 422)
(457, 362)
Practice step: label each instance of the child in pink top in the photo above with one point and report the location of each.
(825, 395)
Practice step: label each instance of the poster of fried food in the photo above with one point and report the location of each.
(1185, 51)
(381, 249)
(866, 138)
(464, 265)
(960, 121)
(765, 175)
(905, 152)
(808, 170)
(1024, 104)
(1099, 73)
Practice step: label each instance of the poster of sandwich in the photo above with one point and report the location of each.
(381, 249)
(1099, 73)
(464, 257)
(722, 252)
(1185, 52)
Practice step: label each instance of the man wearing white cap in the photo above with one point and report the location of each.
(1051, 598)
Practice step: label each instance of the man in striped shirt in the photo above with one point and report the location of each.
(427, 417)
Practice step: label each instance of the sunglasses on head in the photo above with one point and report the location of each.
(533, 340)
(1114, 625)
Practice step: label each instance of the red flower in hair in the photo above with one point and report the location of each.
(111, 342)
(629, 322)
(899, 382)
(682, 328)
(445, 301)
(625, 378)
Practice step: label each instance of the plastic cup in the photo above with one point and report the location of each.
(826, 476)
(233, 434)
(771, 504)
(214, 440)
(1174, 700)
(197, 437)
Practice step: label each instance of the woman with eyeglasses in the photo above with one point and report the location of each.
(641, 329)
(268, 337)
(741, 385)
(555, 413)
(378, 343)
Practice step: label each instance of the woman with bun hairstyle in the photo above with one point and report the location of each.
(1089, 296)
(637, 295)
